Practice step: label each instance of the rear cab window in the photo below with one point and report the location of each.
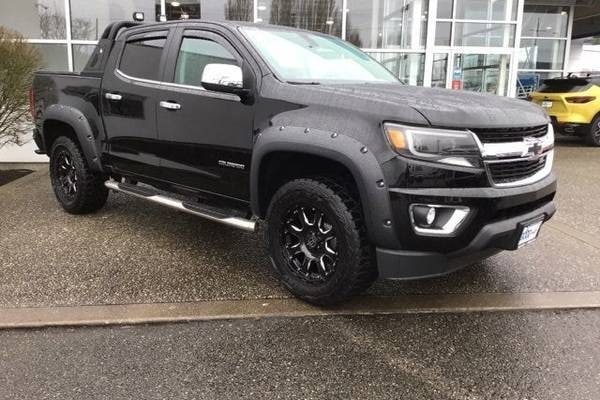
(141, 57)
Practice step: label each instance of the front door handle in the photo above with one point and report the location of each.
(169, 105)
(113, 96)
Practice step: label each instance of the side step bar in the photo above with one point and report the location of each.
(148, 194)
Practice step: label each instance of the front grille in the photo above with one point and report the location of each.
(506, 135)
(513, 171)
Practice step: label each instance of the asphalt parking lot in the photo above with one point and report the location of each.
(135, 252)
(132, 252)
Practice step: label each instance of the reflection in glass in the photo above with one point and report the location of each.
(81, 55)
(528, 82)
(438, 72)
(481, 73)
(490, 35)
(408, 68)
(444, 9)
(89, 18)
(545, 21)
(216, 10)
(36, 19)
(387, 24)
(487, 10)
(442, 33)
(316, 15)
(541, 53)
(54, 57)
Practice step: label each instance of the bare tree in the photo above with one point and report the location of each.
(18, 61)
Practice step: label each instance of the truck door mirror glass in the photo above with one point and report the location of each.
(222, 78)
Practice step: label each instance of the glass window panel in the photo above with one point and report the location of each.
(542, 53)
(545, 21)
(81, 55)
(444, 9)
(486, 73)
(487, 10)
(150, 51)
(409, 68)
(36, 19)
(528, 82)
(438, 72)
(387, 24)
(316, 15)
(54, 57)
(217, 10)
(442, 33)
(89, 18)
(488, 35)
(194, 55)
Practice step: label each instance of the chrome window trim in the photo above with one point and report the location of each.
(171, 86)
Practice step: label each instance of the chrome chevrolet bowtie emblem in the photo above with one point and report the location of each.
(534, 146)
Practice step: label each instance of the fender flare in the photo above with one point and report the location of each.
(85, 135)
(350, 153)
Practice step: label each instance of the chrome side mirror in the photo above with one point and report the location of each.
(222, 78)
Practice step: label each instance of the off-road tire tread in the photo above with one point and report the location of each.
(365, 272)
(92, 192)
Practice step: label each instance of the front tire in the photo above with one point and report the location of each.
(317, 241)
(78, 189)
(593, 136)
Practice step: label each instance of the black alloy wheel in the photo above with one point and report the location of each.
(66, 173)
(310, 244)
(317, 241)
(594, 133)
(78, 189)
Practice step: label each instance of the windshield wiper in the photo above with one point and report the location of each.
(303, 83)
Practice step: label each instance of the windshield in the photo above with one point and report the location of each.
(303, 57)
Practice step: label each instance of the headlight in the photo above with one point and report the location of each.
(438, 145)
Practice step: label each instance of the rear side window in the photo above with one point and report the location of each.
(564, 85)
(141, 58)
(194, 55)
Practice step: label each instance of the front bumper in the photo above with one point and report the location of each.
(491, 239)
(495, 226)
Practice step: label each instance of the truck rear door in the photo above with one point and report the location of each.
(130, 93)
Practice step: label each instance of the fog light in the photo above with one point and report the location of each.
(437, 220)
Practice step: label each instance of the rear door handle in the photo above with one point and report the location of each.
(169, 105)
(113, 96)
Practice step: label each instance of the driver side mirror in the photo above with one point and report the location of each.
(224, 78)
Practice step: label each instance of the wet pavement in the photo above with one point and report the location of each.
(135, 252)
(526, 355)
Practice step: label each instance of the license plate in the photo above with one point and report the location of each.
(530, 233)
(547, 104)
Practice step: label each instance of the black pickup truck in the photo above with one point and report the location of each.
(356, 175)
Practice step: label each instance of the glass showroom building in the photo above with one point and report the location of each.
(499, 46)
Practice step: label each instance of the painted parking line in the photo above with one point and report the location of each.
(127, 314)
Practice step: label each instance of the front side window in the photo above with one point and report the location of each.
(141, 58)
(298, 56)
(194, 55)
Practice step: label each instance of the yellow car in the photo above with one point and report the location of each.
(573, 104)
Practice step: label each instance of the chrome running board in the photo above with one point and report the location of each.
(194, 209)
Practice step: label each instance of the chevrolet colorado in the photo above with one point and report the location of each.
(355, 175)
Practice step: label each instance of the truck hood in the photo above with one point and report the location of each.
(440, 107)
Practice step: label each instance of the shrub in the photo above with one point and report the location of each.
(18, 61)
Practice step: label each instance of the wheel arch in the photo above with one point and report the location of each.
(68, 121)
(345, 155)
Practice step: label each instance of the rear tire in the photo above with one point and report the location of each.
(593, 136)
(78, 189)
(317, 241)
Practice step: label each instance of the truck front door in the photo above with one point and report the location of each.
(206, 137)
